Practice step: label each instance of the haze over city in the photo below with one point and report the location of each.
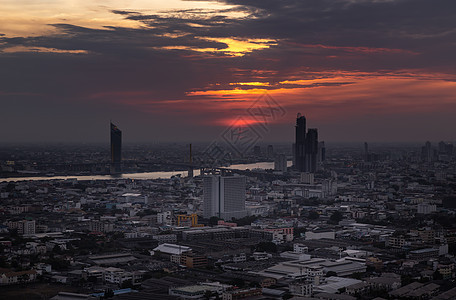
(228, 149)
(184, 70)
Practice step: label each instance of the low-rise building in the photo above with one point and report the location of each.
(242, 293)
(301, 288)
(320, 234)
(9, 277)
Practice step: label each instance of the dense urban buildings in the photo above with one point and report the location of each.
(370, 222)
(211, 184)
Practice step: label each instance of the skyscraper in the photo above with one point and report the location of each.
(116, 149)
(366, 151)
(446, 148)
(257, 151)
(321, 152)
(306, 146)
(293, 155)
(270, 151)
(190, 162)
(280, 163)
(311, 150)
(300, 143)
(224, 197)
(426, 152)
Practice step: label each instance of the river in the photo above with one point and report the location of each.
(145, 175)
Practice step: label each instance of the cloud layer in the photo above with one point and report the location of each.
(359, 70)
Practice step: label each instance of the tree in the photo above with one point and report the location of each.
(108, 294)
(406, 279)
(13, 233)
(58, 263)
(313, 215)
(331, 273)
(245, 220)
(266, 247)
(213, 220)
(336, 217)
(3, 262)
(207, 295)
(239, 282)
(437, 275)
(11, 186)
(127, 284)
(15, 265)
(24, 278)
(57, 249)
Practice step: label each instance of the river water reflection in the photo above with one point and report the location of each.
(146, 175)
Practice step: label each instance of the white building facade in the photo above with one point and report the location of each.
(224, 197)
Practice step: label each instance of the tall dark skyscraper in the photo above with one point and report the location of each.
(311, 150)
(300, 143)
(257, 151)
(270, 151)
(306, 146)
(426, 152)
(116, 148)
(321, 152)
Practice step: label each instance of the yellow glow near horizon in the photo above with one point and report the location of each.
(235, 47)
(358, 83)
(227, 92)
(238, 47)
(25, 18)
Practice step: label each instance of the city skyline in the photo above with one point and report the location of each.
(380, 71)
(256, 149)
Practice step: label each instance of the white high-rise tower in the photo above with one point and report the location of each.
(224, 197)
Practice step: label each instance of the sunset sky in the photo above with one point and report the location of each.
(171, 70)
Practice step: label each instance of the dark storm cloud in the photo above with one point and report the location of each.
(110, 41)
(419, 26)
(426, 27)
(124, 68)
(120, 58)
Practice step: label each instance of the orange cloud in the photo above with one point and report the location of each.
(367, 93)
